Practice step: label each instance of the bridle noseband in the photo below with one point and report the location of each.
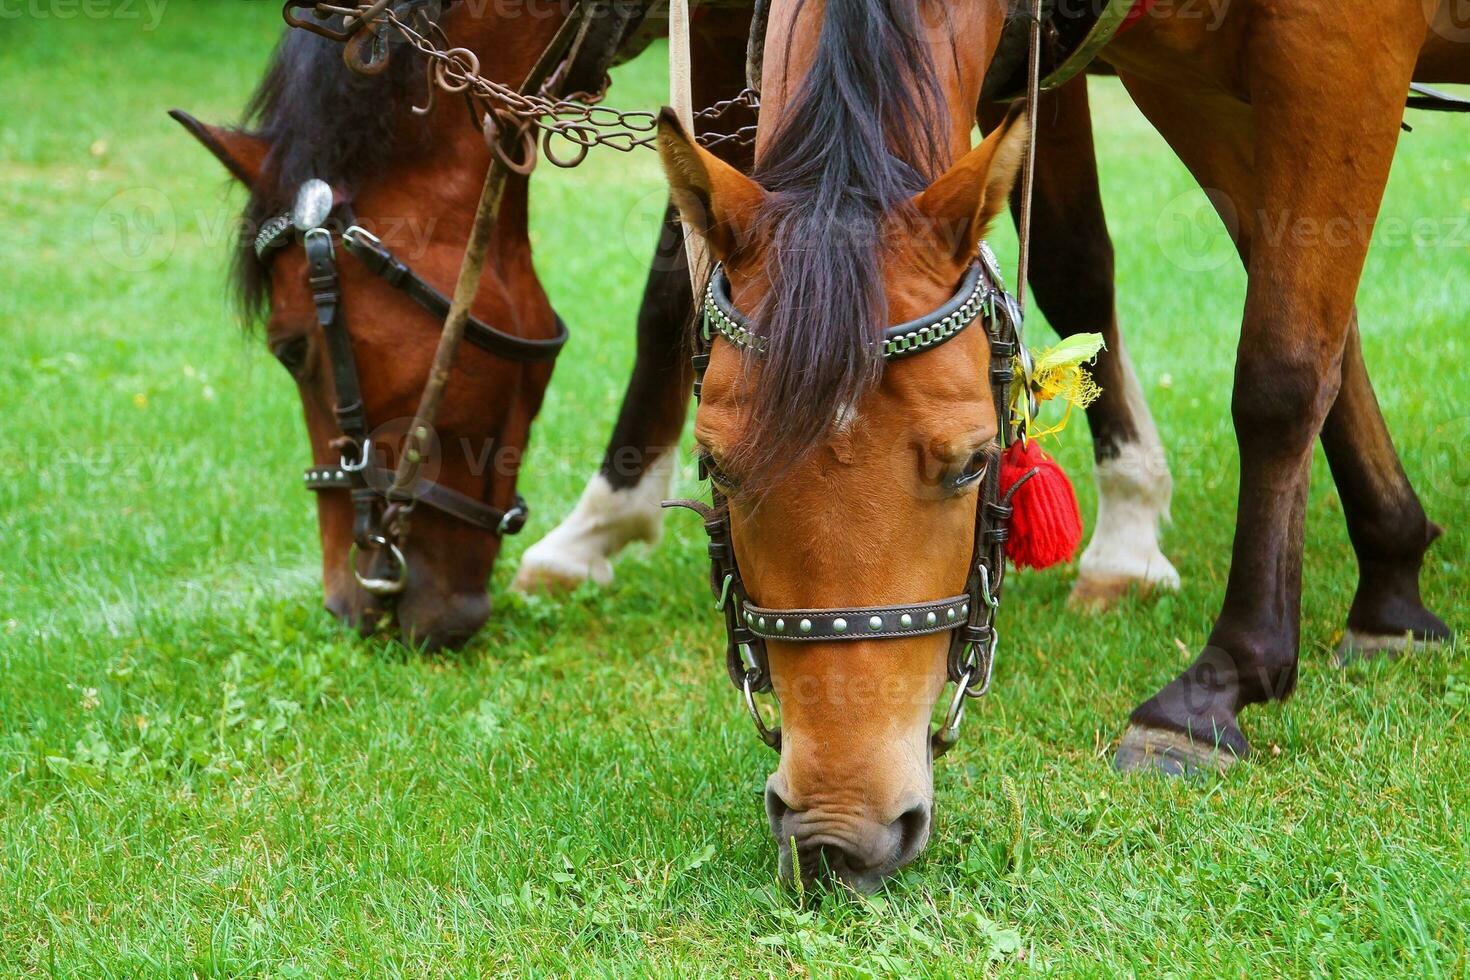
(380, 515)
(969, 616)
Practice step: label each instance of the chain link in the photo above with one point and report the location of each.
(568, 126)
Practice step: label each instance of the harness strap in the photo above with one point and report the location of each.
(1028, 170)
(436, 495)
(381, 261)
(326, 294)
(681, 98)
(859, 622)
(974, 295)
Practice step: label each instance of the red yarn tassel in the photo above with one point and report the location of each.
(1046, 525)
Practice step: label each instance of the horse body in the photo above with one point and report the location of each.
(1253, 101)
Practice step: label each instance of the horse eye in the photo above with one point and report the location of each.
(711, 471)
(974, 470)
(292, 355)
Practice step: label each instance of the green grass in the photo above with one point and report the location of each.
(202, 774)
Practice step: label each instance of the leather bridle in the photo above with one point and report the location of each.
(574, 61)
(968, 616)
(379, 517)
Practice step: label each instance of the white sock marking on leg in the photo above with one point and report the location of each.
(604, 522)
(1133, 492)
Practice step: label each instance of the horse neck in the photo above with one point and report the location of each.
(960, 48)
(451, 171)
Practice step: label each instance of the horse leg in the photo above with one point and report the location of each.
(1385, 520)
(622, 501)
(1072, 278)
(1299, 174)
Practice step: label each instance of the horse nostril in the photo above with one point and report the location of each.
(776, 809)
(912, 829)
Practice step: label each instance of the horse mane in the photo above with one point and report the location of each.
(322, 120)
(859, 139)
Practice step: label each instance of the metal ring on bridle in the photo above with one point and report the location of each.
(459, 64)
(581, 137)
(771, 736)
(495, 133)
(508, 522)
(380, 586)
(988, 665)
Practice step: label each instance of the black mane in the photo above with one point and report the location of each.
(861, 137)
(322, 120)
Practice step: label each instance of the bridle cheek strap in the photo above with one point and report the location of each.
(366, 483)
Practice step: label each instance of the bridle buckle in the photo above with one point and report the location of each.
(514, 519)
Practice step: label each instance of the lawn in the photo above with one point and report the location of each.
(201, 773)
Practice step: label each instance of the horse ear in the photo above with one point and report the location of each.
(962, 203)
(710, 194)
(242, 153)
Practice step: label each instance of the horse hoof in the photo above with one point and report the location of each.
(1359, 646)
(1096, 593)
(550, 572)
(1169, 753)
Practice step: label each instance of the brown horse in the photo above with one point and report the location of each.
(851, 482)
(413, 181)
(1252, 98)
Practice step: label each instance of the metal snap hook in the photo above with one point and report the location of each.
(771, 736)
(948, 734)
(380, 586)
(357, 237)
(986, 596)
(984, 687)
(361, 464)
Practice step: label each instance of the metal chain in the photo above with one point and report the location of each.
(577, 121)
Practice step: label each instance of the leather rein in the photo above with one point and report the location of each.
(377, 515)
(969, 617)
